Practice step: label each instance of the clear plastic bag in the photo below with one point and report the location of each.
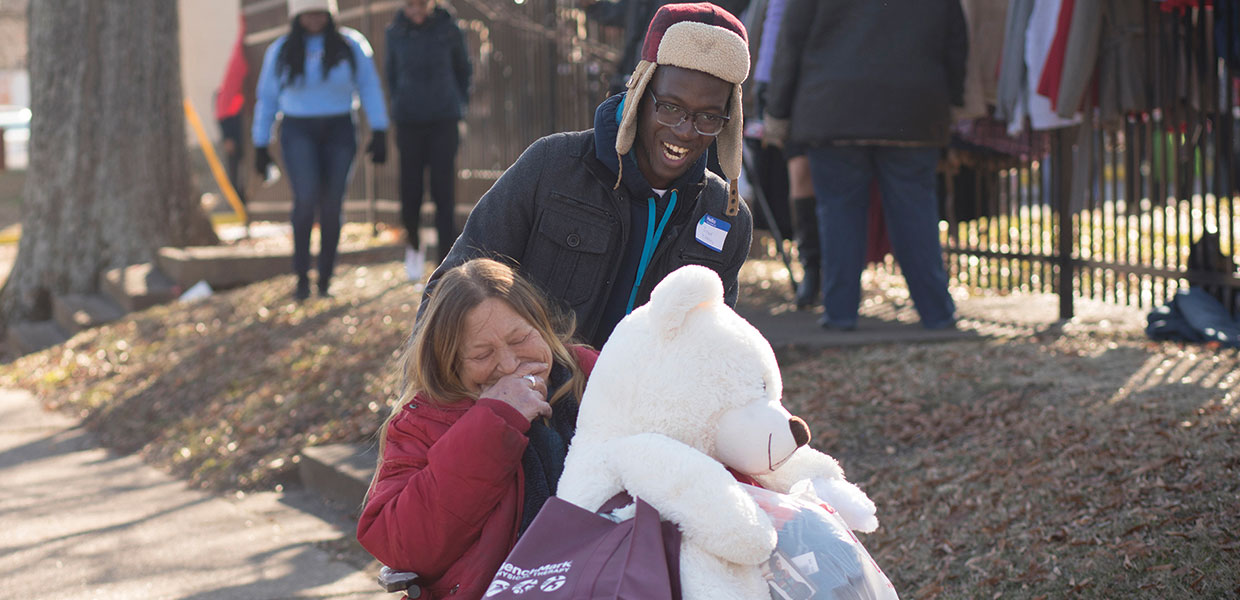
(817, 556)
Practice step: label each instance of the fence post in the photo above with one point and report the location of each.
(368, 169)
(1061, 150)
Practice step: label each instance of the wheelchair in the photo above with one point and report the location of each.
(394, 581)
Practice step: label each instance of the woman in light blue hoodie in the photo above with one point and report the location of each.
(310, 76)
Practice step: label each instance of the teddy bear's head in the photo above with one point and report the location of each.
(686, 366)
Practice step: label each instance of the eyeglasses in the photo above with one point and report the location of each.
(673, 115)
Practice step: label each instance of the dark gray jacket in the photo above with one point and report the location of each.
(555, 213)
(428, 68)
(869, 70)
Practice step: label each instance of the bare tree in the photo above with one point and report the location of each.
(108, 182)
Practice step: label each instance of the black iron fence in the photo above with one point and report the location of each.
(1106, 212)
(1126, 213)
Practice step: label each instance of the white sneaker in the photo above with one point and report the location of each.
(415, 263)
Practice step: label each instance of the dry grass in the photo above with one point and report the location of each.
(1075, 462)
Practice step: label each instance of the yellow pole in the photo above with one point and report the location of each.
(217, 169)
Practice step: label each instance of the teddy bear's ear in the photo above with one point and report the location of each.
(682, 291)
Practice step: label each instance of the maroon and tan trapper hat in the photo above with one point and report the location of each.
(702, 37)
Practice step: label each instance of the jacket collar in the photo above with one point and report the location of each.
(606, 127)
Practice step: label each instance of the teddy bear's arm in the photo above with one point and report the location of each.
(697, 493)
(588, 479)
(856, 508)
(805, 463)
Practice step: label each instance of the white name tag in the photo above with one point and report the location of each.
(712, 232)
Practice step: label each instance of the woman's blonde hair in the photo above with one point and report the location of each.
(432, 360)
(431, 363)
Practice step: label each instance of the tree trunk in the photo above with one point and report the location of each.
(108, 182)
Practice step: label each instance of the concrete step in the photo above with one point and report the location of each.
(25, 337)
(355, 211)
(340, 473)
(231, 266)
(138, 287)
(76, 312)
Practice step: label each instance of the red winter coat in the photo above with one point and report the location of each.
(448, 499)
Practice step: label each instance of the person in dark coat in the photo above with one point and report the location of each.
(428, 77)
(866, 87)
(596, 218)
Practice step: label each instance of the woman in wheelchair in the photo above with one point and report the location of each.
(477, 441)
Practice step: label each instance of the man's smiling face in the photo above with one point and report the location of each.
(665, 153)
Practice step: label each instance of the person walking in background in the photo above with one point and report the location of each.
(310, 76)
(428, 76)
(866, 87)
(597, 218)
(229, 101)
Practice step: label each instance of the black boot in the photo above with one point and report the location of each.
(325, 284)
(303, 288)
(808, 250)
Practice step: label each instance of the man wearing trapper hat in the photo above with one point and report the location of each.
(598, 217)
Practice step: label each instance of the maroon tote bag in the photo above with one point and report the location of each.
(569, 553)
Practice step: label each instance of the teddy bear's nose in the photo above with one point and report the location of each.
(800, 431)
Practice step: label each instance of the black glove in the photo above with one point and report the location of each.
(262, 160)
(377, 149)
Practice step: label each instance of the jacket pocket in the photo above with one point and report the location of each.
(568, 255)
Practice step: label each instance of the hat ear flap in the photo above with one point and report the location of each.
(730, 138)
(632, 102)
(729, 142)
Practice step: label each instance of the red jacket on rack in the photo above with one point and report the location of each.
(448, 498)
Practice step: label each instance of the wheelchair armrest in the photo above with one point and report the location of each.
(392, 580)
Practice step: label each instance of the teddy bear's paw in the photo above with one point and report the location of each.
(856, 508)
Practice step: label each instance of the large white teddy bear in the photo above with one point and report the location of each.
(684, 388)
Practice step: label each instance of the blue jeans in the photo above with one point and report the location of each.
(318, 157)
(842, 176)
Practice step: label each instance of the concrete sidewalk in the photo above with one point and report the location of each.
(79, 522)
